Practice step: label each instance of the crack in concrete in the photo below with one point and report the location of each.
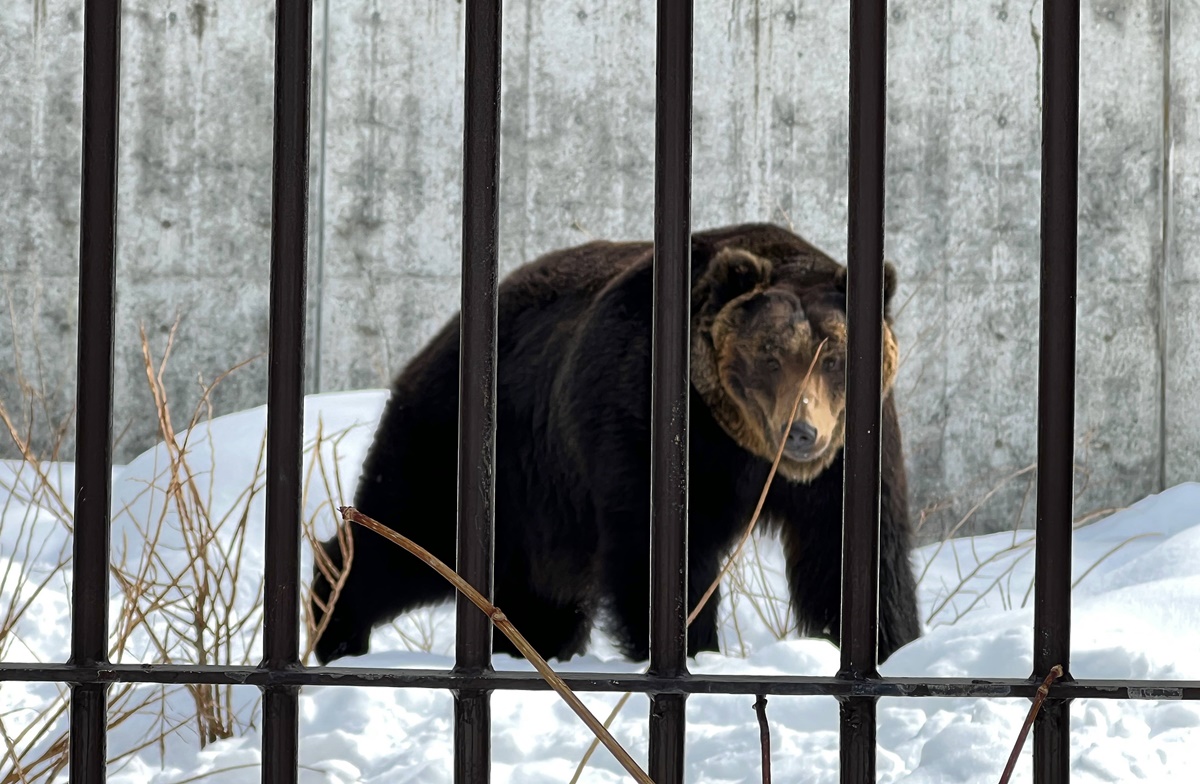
(1036, 35)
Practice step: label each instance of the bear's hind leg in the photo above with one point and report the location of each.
(702, 633)
(555, 630)
(630, 625)
(383, 581)
(628, 588)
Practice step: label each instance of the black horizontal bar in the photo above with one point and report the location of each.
(781, 685)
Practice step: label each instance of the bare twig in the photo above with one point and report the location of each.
(971, 513)
(733, 558)
(1055, 673)
(764, 736)
(501, 622)
(176, 569)
(762, 498)
(612, 715)
(336, 576)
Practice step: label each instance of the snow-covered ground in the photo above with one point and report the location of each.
(1136, 615)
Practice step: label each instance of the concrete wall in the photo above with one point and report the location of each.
(577, 162)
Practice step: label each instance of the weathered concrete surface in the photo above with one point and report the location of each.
(1181, 311)
(39, 205)
(577, 162)
(388, 264)
(195, 200)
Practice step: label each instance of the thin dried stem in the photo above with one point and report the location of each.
(733, 558)
(1055, 673)
(501, 622)
(764, 736)
(762, 498)
(971, 513)
(612, 715)
(335, 576)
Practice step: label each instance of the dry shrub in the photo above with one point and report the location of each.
(182, 594)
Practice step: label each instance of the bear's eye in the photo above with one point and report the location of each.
(830, 364)
(773, 364)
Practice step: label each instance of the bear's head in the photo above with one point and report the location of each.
(760, 328)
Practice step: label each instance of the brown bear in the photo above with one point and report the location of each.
(573, 449)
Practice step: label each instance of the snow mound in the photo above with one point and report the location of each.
(1136, 614)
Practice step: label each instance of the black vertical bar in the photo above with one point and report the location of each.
(1056, 378)
(477, 382)
(670, 383)
(94, 391)
(285, 383)
(860, 543)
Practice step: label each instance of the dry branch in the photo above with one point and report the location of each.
(612, 715)
(762, 498)
(1055, 673)
(764, 736)
(733, 558)
(501, 622)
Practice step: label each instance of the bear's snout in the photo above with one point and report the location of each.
(803, 442)
(802, 436)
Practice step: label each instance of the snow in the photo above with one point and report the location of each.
(1136, 614)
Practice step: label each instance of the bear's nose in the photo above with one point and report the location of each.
(801, 437)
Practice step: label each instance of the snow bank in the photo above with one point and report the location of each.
(1136, 615)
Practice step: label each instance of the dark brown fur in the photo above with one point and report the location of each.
(573, 448)
(766, 339)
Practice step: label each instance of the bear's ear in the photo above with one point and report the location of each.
(890, 279)
(729, 274)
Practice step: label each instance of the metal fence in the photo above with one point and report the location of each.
(857, 685)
